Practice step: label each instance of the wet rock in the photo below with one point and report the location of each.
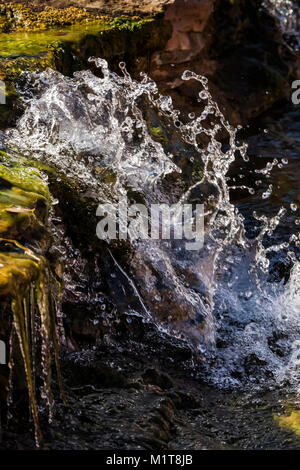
(28, 280)
(115, 7)
(97, 374)
(231, 43)
(190, 416)
(152, 376)
(15, 17)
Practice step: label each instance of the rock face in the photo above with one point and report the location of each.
(110, 7)
(231, 43)
(238, 45)
(27, 319)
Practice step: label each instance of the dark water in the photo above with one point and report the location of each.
(275, 136)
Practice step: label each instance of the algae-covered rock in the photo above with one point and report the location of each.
(16, 17)
(24, 202)
(238, 45)
(112, 7)
(27, 282)
(290, 420)
(65, 39)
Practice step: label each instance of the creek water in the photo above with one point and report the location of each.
(243, 284)
(236, 301)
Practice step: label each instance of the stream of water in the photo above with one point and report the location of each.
(236, 301)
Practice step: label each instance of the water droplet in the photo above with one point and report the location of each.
(203, 95)
(187, 75)
(267, 193)
(294, 207)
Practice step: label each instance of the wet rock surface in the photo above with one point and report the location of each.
(123, 399)
(231, 43)
(109, 7)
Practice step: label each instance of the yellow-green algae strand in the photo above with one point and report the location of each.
(26, 279)
(35, 42)
(291, 420)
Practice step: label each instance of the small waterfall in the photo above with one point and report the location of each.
(88, 126)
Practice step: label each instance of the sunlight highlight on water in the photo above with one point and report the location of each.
(88, 124)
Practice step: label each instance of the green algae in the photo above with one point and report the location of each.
(35, 43)
(291, 420)
(130, 23)
(15, 17)
(31, 33)
(158, 134)
(26, 277)
(23, 177)
(24, 198)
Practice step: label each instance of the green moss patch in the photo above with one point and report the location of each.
(16, 17)
(24, 201)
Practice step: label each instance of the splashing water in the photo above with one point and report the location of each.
(87, 125)
(287, 13)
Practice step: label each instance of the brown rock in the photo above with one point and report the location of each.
(110, 7)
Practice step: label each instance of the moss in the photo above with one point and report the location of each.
(290, 421)
(158, 134)
(26, 279)
(128, 23)
(16, 17)
(24, 177)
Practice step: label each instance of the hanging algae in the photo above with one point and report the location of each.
(26, 279)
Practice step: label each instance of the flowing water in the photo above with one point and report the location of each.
(237, 300)
(287, 13)
(243, 285)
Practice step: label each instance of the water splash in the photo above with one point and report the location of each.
(221, 298)
(287, 13)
